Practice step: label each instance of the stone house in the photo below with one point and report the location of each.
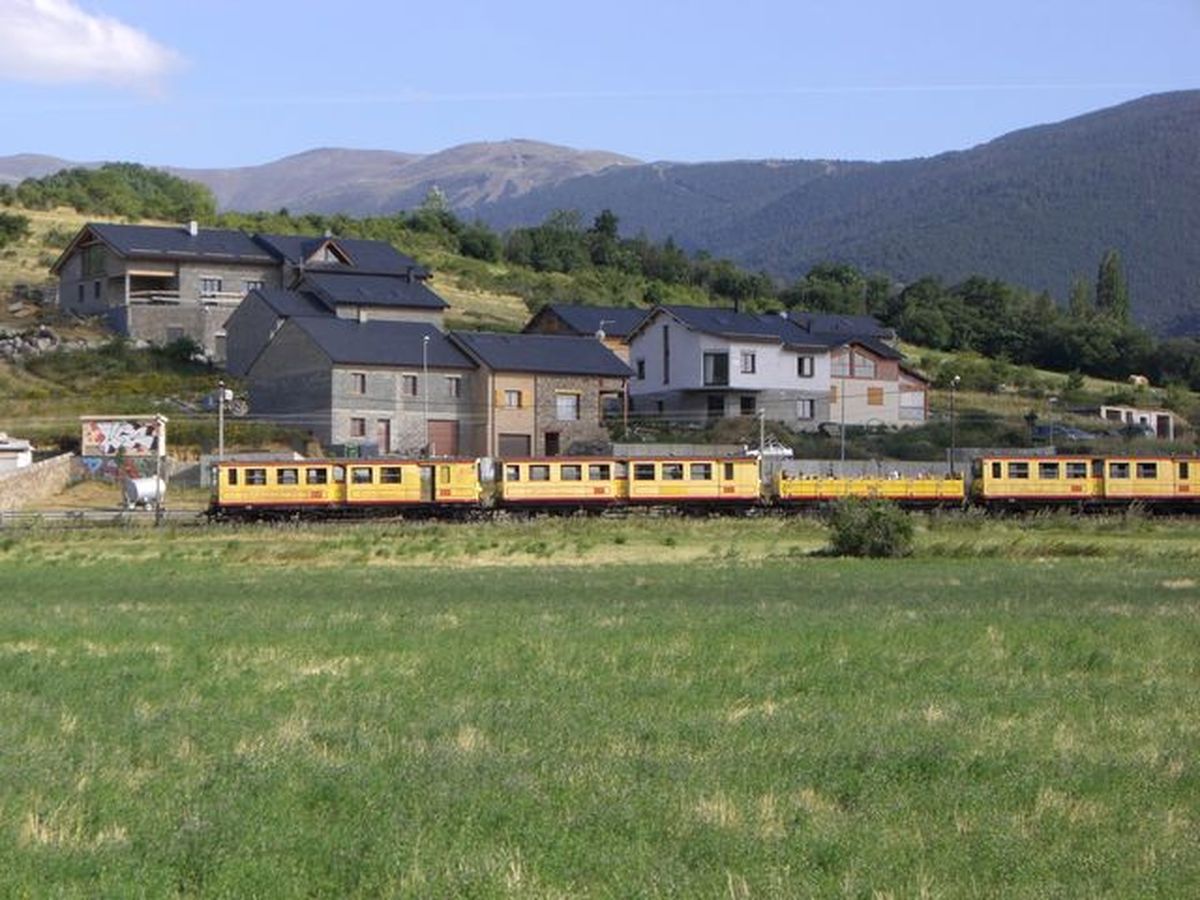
(386, 387)
(544, 395)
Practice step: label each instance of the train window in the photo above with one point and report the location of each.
(444, 474)
(1147, 470)
(539, 473)
(571, 472)
(729, 471)
(701, 472)
(339, 474)
(1018, 470)
(672, 471)
(1076, 470)
(512, 473)
(316, 476)
(1118, 470)
(1097, 468)
(643, 471)
(256, 476)
(390, 475)
(1183, 471)
(233, 476)
(1048, 471)
(621, 470)
(361, 475)
(996, 473)
(287, 476)
(599, 471)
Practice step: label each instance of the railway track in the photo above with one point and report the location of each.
(91, 518)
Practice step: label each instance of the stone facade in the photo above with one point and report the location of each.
(584, 434)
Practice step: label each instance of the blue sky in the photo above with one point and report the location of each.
(239, 82)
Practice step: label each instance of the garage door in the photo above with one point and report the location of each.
(514, 445)
(443, 437)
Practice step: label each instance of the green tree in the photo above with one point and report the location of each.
(13, 227)
(1080, 305)
(1112, 292)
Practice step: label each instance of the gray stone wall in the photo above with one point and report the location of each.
(35, 483)
(247, 329)
(386, 398)
(588, 429)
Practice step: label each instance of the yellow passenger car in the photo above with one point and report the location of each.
(905, 491)
(1039, 480)
(694, 481)
(298, 484)
(1152, 480)
(563, 481)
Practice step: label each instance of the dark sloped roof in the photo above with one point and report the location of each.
(175, 242)
(558, 354)
(876, 346)
(616, 321)
(364, 255)
(347, 342)
(836, 323)
(290, 304)
(727, 322)
(371, 290)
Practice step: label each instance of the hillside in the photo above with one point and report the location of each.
(1034, 207)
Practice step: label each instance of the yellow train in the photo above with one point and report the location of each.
(446, 487)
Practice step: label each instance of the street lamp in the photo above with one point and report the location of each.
(842, 429)
(954, 383)
(220, 420)
(425, 387)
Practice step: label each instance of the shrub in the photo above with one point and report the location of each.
(874, 528)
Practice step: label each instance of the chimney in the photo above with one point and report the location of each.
(193, 228)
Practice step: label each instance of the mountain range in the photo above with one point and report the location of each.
(1035, 207)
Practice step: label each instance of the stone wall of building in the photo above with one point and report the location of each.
(579, 435)
(35, 483)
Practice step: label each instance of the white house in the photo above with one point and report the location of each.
(698, 364)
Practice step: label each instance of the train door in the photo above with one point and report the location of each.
(427, 485)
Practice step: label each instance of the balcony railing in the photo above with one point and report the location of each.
(212, 298)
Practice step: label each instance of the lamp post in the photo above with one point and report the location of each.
(220, 420)
(954, 383)
(842, 429)
(425, 388)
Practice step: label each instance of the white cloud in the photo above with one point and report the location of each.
(55, 41)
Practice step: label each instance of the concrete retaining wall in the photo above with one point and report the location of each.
(35, 483)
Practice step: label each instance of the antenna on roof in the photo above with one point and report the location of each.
(193, 228)
(600, 335)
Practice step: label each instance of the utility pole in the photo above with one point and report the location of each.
(425, 389)
(842, 429)
(220, 420)
(954, 383)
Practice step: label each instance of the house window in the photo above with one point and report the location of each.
(749, 363)
(806, 409)
(316, 476)
(864, 366)
(716, 368)
(641, 370)
(747, 406)
(287, 476)
(358, 427)
(566, 406)
(252, 284)
(95, 290)
(833, 394)
(1118, 470)
(874, 396)
(454, 386)
(700, 472)
(1147, 470)
(840, 366)
(80, 297)
(408, 385)
(1077, 470)
(610, 404)
(571, 472)
(210, 286)
(358, 383)
(360, 475)
(805, 366)
(1048, 471)
(643, 471)
(512, 399)
(1018, 470)
(391, 475)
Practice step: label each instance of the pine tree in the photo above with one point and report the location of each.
(1080, 305)
(1112, 293)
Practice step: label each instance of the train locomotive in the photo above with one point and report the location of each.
(449, 488)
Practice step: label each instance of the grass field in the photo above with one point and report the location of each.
(575, 708)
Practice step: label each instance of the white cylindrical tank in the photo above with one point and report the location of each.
(143, 492)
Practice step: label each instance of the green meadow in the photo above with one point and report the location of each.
(600, 709)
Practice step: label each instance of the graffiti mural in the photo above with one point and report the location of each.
(112, 469)
(124, 437)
